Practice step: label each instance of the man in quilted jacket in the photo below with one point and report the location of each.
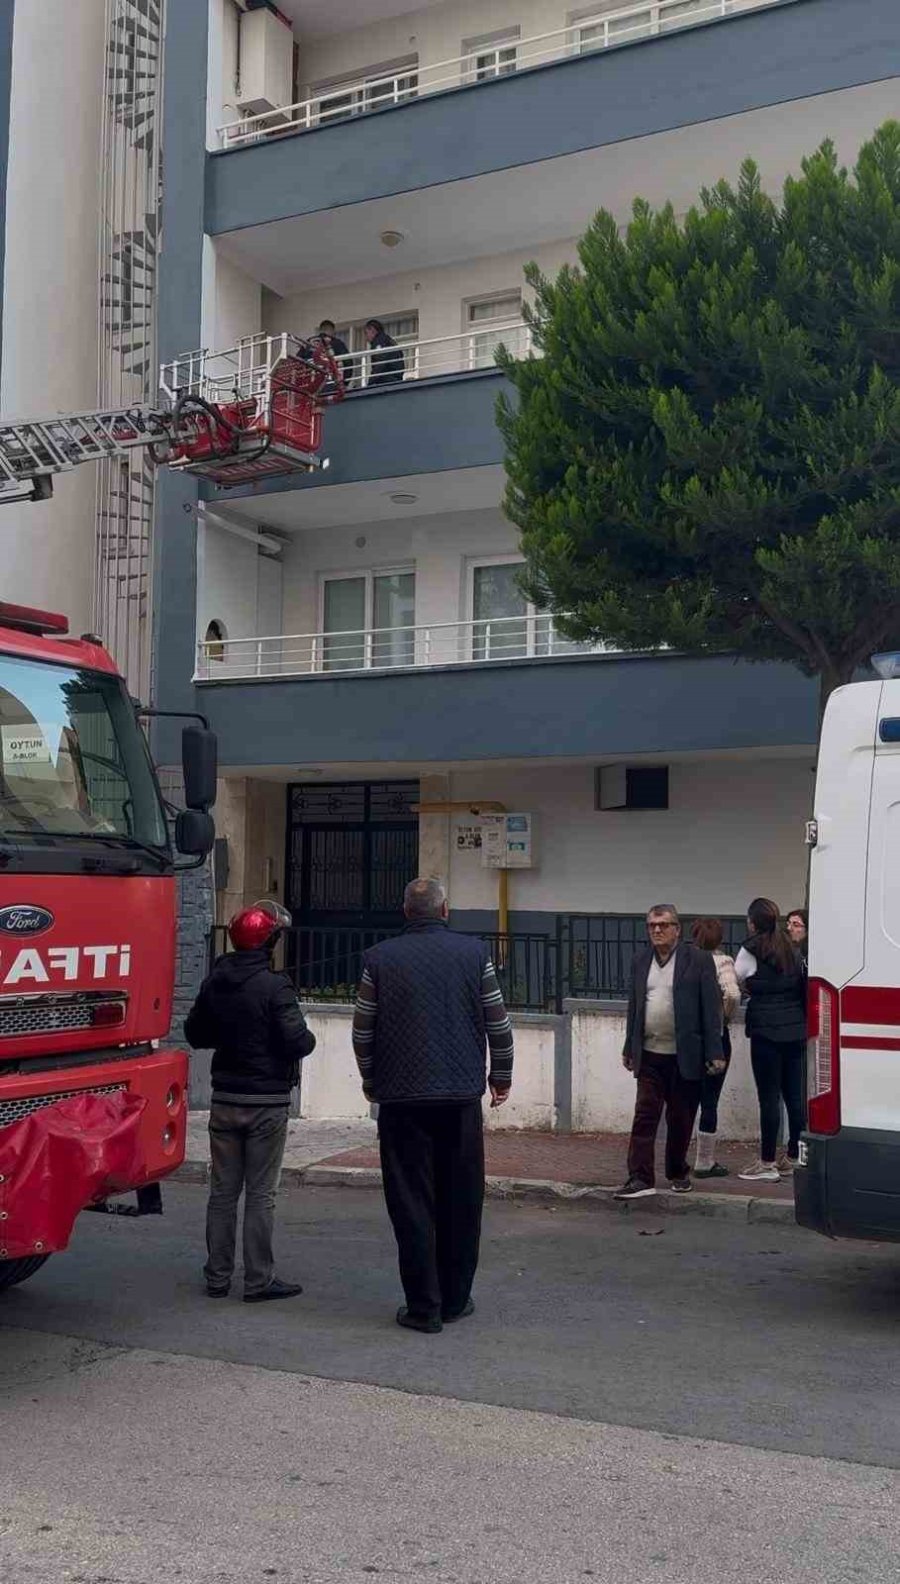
(427, 1007)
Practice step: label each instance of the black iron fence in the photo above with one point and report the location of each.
(589, 957)
(325, 962)
(594, 950)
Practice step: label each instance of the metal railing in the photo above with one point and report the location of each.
(243, 370)
(595, 950)
(345, 101)
(325, 962)
(377, 649)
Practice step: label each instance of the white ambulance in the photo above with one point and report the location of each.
(848, 1181)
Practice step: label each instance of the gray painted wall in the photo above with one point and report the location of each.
(7, 19)
(427, 426)
(591, 707)
(802, 48)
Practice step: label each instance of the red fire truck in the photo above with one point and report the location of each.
(90, 1105)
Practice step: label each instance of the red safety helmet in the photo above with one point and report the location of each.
(258, 925)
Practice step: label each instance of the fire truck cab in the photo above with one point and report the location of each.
(848, 1182)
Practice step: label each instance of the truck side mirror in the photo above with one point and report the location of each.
(195, 833)
(199, 764)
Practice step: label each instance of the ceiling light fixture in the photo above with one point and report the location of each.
(404, 500)
(392, 239)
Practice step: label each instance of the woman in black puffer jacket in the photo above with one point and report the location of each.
(771, 971)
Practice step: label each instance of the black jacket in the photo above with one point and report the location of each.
(387, 359)
(249, 1016)
(776, 1010)
(698, 1009)
(430, 1034)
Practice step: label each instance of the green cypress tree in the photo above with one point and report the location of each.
(707, 453)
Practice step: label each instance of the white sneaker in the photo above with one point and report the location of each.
(760, 1171)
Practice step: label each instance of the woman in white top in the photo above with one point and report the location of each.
(707, 933)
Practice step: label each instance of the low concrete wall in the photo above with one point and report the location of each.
(603, 1092)
(331, 1090)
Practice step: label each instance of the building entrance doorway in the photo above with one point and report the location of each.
(352, 849)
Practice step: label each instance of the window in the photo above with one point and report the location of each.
(483, 341)
(505, 626)
(402, 328)
(372, 88)
(489, 55)
(615, 22)
(368, 619)
(214, 641)
(73, 760)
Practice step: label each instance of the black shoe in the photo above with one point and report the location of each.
(275, 1289)
(635, 1188)
(461, 1314)
(217, 1292)
(418, 1322)
(681, 1185)
(715, 1170)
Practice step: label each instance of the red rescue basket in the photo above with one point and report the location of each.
(271, 426)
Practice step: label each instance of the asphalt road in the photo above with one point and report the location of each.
(633, 1399)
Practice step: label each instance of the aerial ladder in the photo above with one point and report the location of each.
(253, 412)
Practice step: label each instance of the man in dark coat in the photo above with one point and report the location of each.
(428, 1005)
(249, 1016)
(673, 1034)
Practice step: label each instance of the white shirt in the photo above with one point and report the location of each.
(744, 965)
(659, 1010)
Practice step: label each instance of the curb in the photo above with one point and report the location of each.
(534, 1190)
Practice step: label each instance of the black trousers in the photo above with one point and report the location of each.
(432, 1166)
(711, 1086)
(778, 1070)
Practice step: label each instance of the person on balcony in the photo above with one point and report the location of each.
(388, 364)
(326, 335)
(427, 1006)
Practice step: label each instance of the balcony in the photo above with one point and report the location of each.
(367, 95)
(244, 371)
(377, 650)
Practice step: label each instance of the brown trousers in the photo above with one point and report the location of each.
(660, 1086)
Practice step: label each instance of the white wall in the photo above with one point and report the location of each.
(331, 1088)
(439, 548)
(50, 286)
(236, 585)
(603, 1092)
(437, 295)
(231, 304)
(734, 830)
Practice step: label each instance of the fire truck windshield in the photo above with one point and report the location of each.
(73, 760)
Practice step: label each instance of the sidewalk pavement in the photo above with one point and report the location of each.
(581, 1167)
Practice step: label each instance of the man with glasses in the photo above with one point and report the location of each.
(673, 1034)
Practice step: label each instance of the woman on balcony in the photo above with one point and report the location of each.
(387, 366)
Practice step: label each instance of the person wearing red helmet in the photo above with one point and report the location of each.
(250, 1017)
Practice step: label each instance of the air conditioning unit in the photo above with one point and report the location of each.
(267, 62)
(622, 786)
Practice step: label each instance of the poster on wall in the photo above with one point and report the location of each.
(468, 838)
(507, 841)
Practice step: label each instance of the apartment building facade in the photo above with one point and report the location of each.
(357, 637)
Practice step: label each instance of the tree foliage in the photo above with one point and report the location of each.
(707, 452)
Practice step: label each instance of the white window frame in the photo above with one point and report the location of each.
(368, 574)
(541, 642)
(600, 14)
(358, 88)
(472, 329)
(476, 53)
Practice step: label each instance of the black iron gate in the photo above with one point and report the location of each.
(352, 848)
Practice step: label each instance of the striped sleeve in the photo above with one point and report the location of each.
(365, 1013)
(498, 1028)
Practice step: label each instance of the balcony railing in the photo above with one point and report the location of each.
(344, 101)
(374, 649)
(244, 369)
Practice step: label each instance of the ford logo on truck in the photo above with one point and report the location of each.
(23, 919)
